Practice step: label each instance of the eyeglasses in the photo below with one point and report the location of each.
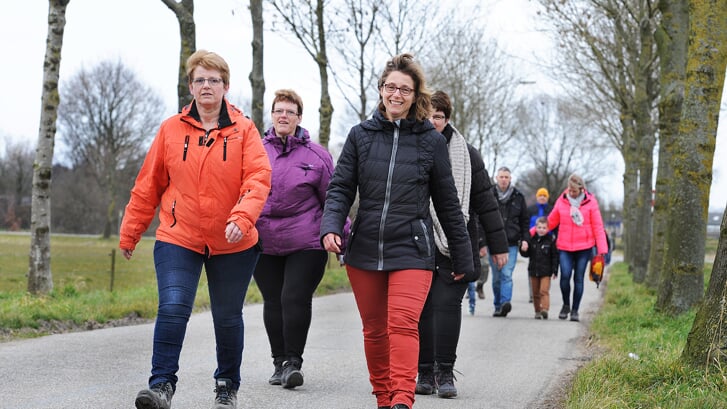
(438, 117)
(212, 81)
(280, 112)
(391, 89)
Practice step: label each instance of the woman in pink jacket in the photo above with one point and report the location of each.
(580, 228)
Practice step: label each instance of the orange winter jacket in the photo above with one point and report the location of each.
(200, 181)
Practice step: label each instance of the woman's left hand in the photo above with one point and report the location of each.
(233, 233)
(457, 277)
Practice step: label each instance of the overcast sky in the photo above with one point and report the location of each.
(145, 35)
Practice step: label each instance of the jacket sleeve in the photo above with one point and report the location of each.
(146, 194)
(256, 181)
(444, 197)
(554, 259)
(484, 204)
(524, 219)
(597, 225)
(341, 191)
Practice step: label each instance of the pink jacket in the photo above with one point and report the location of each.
(572, 237)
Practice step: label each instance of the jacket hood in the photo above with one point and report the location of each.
(300, 137)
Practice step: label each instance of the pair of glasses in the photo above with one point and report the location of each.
(438, 117)
(391, 89)
(280, 112)
(212, 81)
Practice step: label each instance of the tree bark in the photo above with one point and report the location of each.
(40, 278)
(257, 77)
(671, 40)
(693, 156)
(184, 10)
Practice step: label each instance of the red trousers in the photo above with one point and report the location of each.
(390, 304)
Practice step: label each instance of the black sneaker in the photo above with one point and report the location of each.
(574, 316)
(480, 291)
(544, 314)
(226, 397)
(292, 375)
(158, 396)
(564, 312)
(400, 406)
(506, 308)
(425, 381)
(445, 381)
(497, 313)
(277, 378)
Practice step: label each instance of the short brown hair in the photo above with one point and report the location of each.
(441, 102)
(288, 95)
(405, 64)
(209, 60)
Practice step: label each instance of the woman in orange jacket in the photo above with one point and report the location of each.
(209, 175)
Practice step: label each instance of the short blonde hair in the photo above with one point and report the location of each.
(209, 60)
(576, 182)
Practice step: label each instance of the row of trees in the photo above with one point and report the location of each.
(640, 71)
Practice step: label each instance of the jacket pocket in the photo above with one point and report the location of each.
(421, 237)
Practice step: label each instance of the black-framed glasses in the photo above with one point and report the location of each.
(391, 89)
(280, 112)
(438, 117)
(212, 81)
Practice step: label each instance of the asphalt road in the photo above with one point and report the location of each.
(504, 363)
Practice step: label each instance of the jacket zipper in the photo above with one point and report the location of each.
(426, 237)
(387, 198)
(174, 217)
(186, 147)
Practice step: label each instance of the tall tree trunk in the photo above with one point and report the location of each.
(40, 278)
(257, 77)
(326, 108)
(630, 182)
(184, 10)
(683, 282)
(671, 40)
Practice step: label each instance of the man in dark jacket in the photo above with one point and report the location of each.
(515, 217)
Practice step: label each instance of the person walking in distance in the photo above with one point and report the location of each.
(208, 174)
(399, 165)
(540, 208)
(580, 227)
(515, 217)
(542, 265)
(292, 262)
(441, 319)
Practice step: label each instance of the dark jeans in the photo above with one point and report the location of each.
(178, 271)
(573, 263)
(441, 321)
(287, 284)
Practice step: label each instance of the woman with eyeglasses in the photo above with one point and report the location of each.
(208, 174)
(293, 260)
(398, 163)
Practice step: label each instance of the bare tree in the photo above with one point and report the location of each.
(409, 25)
(106, 118)
(184, 10)
(682, 283)
(609, 56)
(306, 21)
(40, 277)
(16, 176)
(257, 74)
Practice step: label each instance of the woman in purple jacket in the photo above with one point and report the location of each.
(293, 261)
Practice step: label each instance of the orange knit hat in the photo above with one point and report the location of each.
(542, 192)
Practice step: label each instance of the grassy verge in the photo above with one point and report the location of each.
(82, 296)
(653, 377)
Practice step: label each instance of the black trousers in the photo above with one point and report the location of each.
(287, 284)
(441, 319)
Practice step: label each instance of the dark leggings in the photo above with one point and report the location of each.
(441, 321)
(287, 284)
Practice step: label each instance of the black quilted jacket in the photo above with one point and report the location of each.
(396, 169)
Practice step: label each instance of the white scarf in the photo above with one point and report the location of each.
(575, 204)
(459, 156)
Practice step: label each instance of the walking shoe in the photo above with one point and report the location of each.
(574, 316)
(472, 310)
(445, 381)
(538, 316)
(158, 396)
(425, 380)
(497, 313)
(480, 291)
(292, 375)
(226, 397)
(506, 308)
(544, 314)
(277, 377)
(564, 312)
(400, 406)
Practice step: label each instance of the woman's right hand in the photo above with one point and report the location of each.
(332, 243)
(127, 253)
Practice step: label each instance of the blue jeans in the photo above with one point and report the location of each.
(570, 261)
(472, 294)
(502, 278)
(178, 271)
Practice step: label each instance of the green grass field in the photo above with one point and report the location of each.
(81, 298)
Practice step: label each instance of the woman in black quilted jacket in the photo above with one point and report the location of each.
(397, 162)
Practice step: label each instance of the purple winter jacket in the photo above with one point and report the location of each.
(291, 218)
